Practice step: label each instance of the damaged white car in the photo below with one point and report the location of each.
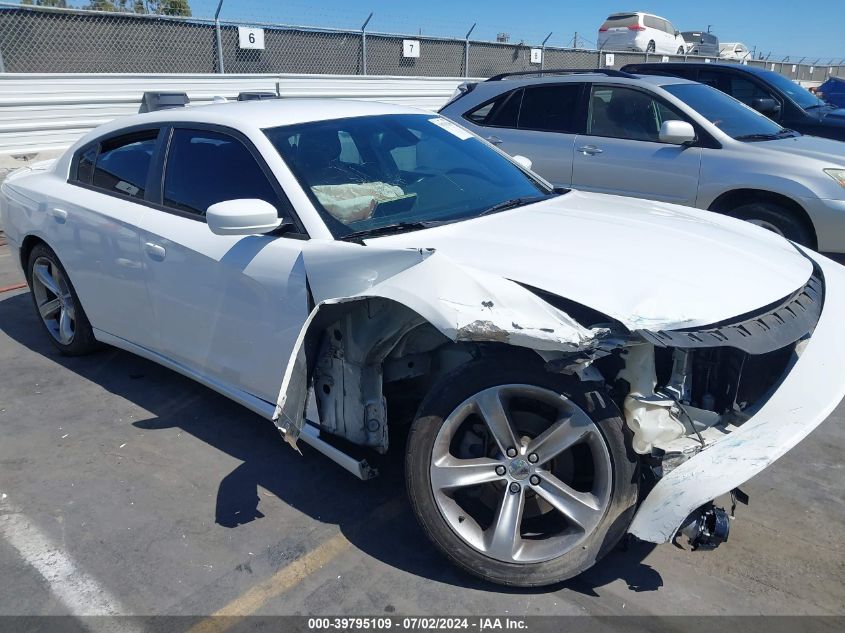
(572, 366)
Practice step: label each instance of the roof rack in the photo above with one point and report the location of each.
(565, 71)
(153, 101)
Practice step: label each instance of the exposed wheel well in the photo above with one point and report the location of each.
(732, 199)
(27, 245)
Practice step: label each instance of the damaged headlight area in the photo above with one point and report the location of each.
(683, 390)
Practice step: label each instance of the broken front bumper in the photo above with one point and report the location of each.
(808, 394)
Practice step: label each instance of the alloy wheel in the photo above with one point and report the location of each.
(54, 300)
(521, 473)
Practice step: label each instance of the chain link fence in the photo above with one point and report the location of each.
(52, 40)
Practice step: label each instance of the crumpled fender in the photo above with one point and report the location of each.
(463, 304)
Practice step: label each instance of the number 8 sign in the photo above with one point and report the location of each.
(250, 38)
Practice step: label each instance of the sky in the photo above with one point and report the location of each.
(775, 27)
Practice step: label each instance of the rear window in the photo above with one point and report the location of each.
(500, 112)
(123, 164)
(550, 108)
(621, 19)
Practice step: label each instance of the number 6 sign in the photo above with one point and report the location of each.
(250, 38)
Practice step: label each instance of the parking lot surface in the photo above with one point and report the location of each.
(126, 488)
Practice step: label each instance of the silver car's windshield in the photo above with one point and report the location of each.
(726, 113)
(374, 174)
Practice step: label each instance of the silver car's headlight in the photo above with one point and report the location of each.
(837, 174)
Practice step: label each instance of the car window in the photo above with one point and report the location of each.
(620, 20)
(713, 78)
(85, 166)
(746, 91)
(726, 113)
(620, 112)
(651, 22)
(123, 164)
(550, 108)
(416, 168)
(500, 112)
(668, 26)
(205, 167)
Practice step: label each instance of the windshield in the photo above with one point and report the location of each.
(369, 173)
(726, 113)
(803, 97)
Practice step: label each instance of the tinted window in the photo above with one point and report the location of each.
(123, 164)
(85, 166)
(205, 167)
(417, 168)
(501, 112)
(746, 91)
(550, 108)
(621, 19)
(619, 112)
(726, 113)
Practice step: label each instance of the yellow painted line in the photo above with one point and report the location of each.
(291, 575)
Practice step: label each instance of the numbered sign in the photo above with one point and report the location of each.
(812, 68)
(536, 55)
(794, 67)
(250, 38)
(707, 60)
(773, 67)
(609, 59)
(664, 59)
(410, 48)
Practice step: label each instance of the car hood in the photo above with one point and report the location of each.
(823, 149)
(646, 264)
(836, 117)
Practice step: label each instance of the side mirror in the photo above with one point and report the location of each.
(522, 161)
(247, 216)
(766, 106)
(676, 132)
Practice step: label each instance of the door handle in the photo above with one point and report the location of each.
(155, 251)
(59, 215)
(590, 150)
(493, 139)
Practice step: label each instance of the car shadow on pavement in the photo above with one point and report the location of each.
(309, 483)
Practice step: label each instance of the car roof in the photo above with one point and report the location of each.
(743, 68)
(262, 114)
(520, 81)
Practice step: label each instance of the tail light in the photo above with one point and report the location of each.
(636, 27)
(603, 29)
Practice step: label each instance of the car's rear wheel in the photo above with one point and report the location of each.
(680, 50)
(776, 219)
(518, 476)
(57, 305)
(651, 47)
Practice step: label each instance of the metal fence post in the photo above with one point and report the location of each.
(543, 52)
(364, 44)
(466, 49)
(220, 68)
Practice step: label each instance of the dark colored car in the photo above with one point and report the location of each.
(774, 95)
(700, 43)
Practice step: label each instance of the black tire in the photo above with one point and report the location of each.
(777, 219)
(651, 47)
(482, 374)
(82, 340)
(680, 50)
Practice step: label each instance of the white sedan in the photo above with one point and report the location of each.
(572, 366)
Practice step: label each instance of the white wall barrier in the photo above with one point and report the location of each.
(44, 113)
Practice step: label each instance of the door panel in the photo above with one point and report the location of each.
(97, 233)
(621, 154)
(229, 307)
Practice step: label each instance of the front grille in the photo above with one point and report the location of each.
(770, 329)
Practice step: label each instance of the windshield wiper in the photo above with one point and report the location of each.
(758, 137)
(388, 229)
(512, 204)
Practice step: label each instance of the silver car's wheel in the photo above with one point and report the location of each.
(57, 304)
(53, 300)
(520, 476)
(517, 503)
(766, 225)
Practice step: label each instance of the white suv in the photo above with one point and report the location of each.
(641, 32)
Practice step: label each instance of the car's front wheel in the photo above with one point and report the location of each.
(57, 304)
(776, 219)
(519, 476)
(651, 47)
